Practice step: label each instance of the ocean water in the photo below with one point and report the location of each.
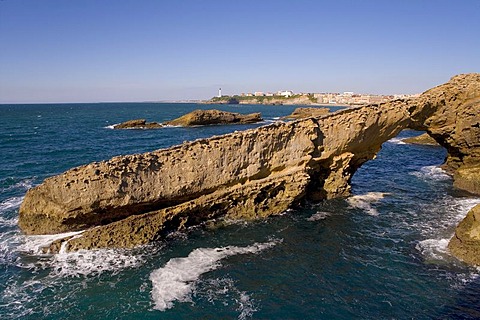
(379, 254)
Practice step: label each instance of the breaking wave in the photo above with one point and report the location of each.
(429, 173)
(176, 280)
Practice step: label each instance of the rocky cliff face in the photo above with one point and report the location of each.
(131, 200)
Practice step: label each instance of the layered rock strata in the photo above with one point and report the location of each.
(134, 199)
(208, 117)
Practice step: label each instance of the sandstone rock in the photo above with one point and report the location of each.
(304, 112)
(208, 117)
(424, 139)
(137, 124)
(465, 244)
(131, 200)
(467, 178)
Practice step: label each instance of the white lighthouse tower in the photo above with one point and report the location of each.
(219, 92)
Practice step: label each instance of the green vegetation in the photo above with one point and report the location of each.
(236, 99)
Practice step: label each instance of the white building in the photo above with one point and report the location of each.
(285, 94)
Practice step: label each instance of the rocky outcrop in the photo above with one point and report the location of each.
(465, 244)
(305, 112)
(137, 124)
(423, 139)
(134, 199)
(208, 117)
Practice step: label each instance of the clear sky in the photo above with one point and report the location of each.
(151, 50)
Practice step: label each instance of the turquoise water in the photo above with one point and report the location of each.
(380, 254)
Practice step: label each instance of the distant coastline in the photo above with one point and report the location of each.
(320, 99)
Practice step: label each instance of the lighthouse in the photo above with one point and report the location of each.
(219, 92)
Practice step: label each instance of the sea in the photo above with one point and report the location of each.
(378, 254)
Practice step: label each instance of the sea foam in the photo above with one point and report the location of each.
(364, 201)
(176, 280)
(430, 173)
(10, 203)
(320, 215)
(396, 141)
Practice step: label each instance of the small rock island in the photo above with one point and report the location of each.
(210, 117)
(195, 118)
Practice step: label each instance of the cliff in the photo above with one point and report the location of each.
(131, 200)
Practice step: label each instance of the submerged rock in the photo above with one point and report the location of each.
(137, 124)
(134, 199)
(208, 117)
(424, 139)
(306, 112)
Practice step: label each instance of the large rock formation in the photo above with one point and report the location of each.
(134, 199)
(208, 117)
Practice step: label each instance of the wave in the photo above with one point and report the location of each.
(35, 244)
(10, 204)
(438, 232)
(364, 201)
(430, 173)
(396, 141)
(176, 280)
(22, 185)
(320, 215)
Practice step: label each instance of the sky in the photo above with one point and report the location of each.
(155, 50)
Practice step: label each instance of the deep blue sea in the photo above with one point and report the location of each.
(379, 254)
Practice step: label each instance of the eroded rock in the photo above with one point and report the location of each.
(209, 117)
(465, 244)
(137, 124)
(134, 199)
(306, 112)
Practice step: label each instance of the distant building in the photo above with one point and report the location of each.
(285, 94)
(259, 94)
(219, 92)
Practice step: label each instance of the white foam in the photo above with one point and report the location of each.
(396, 141)
(35, 244)
(365, 201)
(112, 126)
(246, 306)
(438, 231)
(434, 250)
(320, 215)
(432, 173)
(10, 204)
(176, 280)
(93, 262)
(24, 184)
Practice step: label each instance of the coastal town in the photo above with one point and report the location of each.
(290, 97)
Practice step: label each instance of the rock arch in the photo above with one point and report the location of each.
(133, 199)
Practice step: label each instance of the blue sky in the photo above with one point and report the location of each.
(151, 50)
